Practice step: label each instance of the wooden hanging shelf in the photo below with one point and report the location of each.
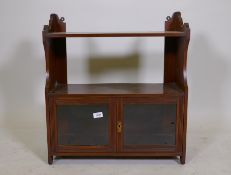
(121, 119)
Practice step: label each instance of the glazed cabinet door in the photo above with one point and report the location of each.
(149, 125)
(83, 124)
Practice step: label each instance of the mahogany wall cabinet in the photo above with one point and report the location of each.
(117, 119)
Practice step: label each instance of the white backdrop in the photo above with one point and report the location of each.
(22, 63)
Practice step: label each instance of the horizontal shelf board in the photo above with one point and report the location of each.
(118, 88)
(121, 34)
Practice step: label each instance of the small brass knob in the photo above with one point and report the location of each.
(119, 126)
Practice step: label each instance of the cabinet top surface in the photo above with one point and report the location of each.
(118, 88)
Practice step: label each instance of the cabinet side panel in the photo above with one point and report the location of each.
(55, 53)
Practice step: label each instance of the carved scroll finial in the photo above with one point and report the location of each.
(174, 23)
(56, 24)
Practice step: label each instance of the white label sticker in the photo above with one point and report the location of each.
(97, 115)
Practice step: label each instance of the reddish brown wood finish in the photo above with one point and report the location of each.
(56, 67)
(121, 34)
(174, 90)
(175, 62)
(124, 89)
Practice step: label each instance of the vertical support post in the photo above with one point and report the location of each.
(173, 23)
(56, 68)
(184, 84)
(57, 50)
(175, 61)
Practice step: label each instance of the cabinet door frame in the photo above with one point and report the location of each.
(151, 148)
(75, 100)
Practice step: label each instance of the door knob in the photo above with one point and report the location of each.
(119, 126)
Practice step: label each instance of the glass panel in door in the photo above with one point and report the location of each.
(83, 124)
(149, 124)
